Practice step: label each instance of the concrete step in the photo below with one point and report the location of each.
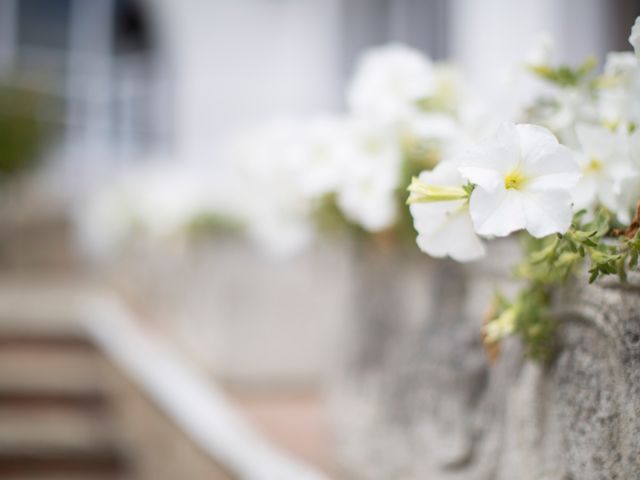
(48, 462)
(55, 415)
(38, 398)
(32, 336)
(55, 363)
(55, 428)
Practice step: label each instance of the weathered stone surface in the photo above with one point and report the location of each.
(388, 313)
(425, 403)
(579, 417)
(214, 295)
(415, 377)
(592, 390)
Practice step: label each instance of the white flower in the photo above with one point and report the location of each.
(621, 68)
(103, 223)
(429, 137)
(281, 233)
(573, 105)
(523, 178)
(619, 96)
(541, 52)
(388, 82)
(605, 162)
(628, 198)
(629, 192)
(444, 227)
(273, 205)
(367, 195)
(432, 126)
(634, 38)
(318, 153)
(157, 200)
(450, 91)
(167, 198)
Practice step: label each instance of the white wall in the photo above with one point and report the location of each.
(236, 63)
(489, 38)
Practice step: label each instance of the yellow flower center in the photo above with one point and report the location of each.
(594, 165)
(514, 180)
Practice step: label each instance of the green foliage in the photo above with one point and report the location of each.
(436, 103)
(210, 222)
(565, 75)
(329, 219)
(420, 154)
(551, 261)
(412, 166)
(21, 132)
(581, 79)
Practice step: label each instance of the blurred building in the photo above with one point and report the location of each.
(131, 79)
(97, 67)
(124, 82)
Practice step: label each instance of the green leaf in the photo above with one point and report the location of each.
(622, 273)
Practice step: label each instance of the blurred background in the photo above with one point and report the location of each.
(91, 90)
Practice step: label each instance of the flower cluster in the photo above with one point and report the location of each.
(289, 179)
(568, 179)
(154, 200)
(404, 114)
(520, 178)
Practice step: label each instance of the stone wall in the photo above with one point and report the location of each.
(436, 409)
(253, 320)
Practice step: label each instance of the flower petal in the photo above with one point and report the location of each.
(555, 169)
(597, 141)
(444, 233)
(584, 193)
(427, 217)
(487, 164)
(634, 38)
(445, 174)
(535, 142)
(497, 213)
(547, 212)
(628, 199)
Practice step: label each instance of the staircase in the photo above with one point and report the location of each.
(56, 417)
(66, 413)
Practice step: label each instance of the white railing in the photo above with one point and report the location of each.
(187, 395)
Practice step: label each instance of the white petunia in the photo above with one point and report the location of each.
(621, 68)
(634, 38)
(389, 81)
(628, 199)
(156, 200)
(367, 194)
(276, 210)
(429, 137)
(540, 54)
(523, 178)
(629, 192)
(104, 222)
(445, 227)
(317, 153)
(450, 92)
(432, 126)
(574, 105)
(605, 162)
(620, 89)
